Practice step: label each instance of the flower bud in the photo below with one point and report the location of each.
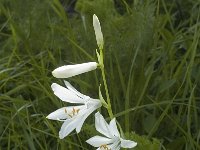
(98, 33)
(73, 70)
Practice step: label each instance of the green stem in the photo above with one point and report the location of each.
(105, 85)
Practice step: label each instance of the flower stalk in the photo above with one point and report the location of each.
(109, 109)
(100, 43)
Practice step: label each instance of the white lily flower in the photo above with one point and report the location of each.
(72, 116)
(98, 33)
(72, 70)
(112, 141)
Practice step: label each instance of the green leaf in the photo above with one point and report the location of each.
(143, 143)
(148, 122)
(166, 85)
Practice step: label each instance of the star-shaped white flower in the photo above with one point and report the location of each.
(112, 141)
(72, 116)
(67, 71)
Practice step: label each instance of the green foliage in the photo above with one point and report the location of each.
(152, 61)
(144, 143)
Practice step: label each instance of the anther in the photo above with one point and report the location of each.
(104, 147)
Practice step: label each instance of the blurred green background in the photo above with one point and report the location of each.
(152, 56)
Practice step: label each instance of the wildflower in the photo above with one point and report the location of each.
(98, 33)
(72, 116)
(72, 70)
(112, 141)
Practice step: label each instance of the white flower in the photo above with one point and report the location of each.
(73, 116)
(98, 33)
(72, 70)
(112, 141)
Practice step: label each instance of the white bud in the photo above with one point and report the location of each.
(98, 33)
(72, 70)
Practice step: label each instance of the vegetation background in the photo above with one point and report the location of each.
(152, 55)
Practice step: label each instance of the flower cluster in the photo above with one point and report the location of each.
(82, 106)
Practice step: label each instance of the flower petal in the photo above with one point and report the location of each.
(115, 145)
(113, 128)
(97, 141)
(58, 115)
(64, 113)
(127, 143)
(101, 125)
(73, 70)
(71, 88)
(65, 95)
(67, 127)
(87, 113)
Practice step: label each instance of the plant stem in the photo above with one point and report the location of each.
(105, 85)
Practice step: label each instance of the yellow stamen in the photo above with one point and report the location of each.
(73, 112)
(105, 147)
(77, 111)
